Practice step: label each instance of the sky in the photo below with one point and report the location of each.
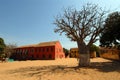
(24, 22)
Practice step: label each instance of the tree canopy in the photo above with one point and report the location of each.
(66, 51)
(111, 34)
(2, 46)
(82, 26)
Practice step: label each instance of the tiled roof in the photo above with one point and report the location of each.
(51, 43)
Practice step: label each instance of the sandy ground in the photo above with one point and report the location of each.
(60, 69)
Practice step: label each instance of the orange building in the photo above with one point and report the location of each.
(42, 51)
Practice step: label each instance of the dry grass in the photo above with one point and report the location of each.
(61, 69)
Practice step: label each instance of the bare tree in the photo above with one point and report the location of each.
(82, 26)
(9, 49)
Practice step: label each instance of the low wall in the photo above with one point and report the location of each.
(110, 54)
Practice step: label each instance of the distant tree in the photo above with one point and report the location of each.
(96, 49)
(9, 49)
(66, 51)
(82, 26)
(111, 34)
(2, 46)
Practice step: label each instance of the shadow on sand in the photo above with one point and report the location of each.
(106, 66)
(56, 69)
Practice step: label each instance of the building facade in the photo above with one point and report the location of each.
(110, 53)
(75, 54)
(42, 51)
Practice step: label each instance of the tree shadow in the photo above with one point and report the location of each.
(39, 71)
(42, 70)
(106, 66)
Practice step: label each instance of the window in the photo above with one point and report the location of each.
(37, 56)
(71, 51)
(26, 52)
(75, 51)
(47, 49)
(20, 51)
(51, 49)
(16, 51)
(50, 56)
(32, 57)
(43, 56)
(42, 49)
(39, 49)
(23, 51)
(32, 50)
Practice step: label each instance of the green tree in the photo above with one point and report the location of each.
(82, 26)
(111, 34)
(66, 51)
(96, 49)
(2, 46)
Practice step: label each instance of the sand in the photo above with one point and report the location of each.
(60, 69)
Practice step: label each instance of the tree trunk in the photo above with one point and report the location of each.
(84, 59)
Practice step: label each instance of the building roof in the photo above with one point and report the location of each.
(51, 43)
(73, 48)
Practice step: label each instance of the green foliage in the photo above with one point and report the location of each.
(111, 35)
(2, 46)
(66, 51)
(95, 48)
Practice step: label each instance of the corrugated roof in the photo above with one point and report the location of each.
(51, 43)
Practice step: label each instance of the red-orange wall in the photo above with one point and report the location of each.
(59, 51)
(45, 52)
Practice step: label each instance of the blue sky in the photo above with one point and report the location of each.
(31, 21)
